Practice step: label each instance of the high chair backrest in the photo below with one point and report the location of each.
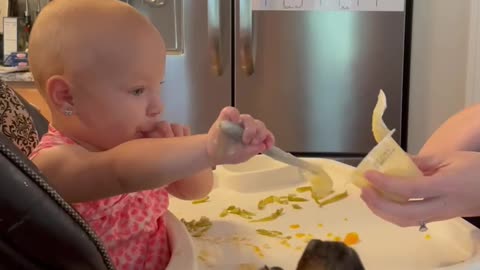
(15, 120)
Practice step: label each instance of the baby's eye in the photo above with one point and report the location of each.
(138, 91)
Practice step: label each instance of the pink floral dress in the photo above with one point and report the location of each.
(131, 226)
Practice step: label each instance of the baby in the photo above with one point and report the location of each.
(100, 65)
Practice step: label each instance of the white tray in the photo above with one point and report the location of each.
(382, 245)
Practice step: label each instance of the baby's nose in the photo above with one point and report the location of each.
(155, 108)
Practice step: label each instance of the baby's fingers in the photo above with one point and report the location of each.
(270, 140)
(262, 133)
(187, 131)
(250, 129)
(165, 129)
(178, 130)
(253, 150)
(229, 114)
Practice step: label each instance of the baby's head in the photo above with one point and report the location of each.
(99, 64)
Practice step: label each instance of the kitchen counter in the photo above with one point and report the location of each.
(17, 77)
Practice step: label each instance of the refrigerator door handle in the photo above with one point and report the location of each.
(246, 37)
(155, 3)
(214, 34)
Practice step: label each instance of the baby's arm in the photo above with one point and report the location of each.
(192, 188)
(79, 175)
(461, 132)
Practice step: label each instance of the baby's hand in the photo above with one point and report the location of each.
(165, 129)
(256, 139)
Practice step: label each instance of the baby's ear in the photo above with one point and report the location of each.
(59, 92)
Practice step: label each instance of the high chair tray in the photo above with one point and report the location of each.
(232, 242)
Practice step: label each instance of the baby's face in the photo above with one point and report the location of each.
(120, 100)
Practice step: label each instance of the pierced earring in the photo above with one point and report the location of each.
(68, 112)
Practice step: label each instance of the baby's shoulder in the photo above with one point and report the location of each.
(56, 155)
(53, 139)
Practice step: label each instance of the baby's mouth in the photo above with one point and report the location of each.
(140, 134)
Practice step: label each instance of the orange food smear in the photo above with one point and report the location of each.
(351, 239)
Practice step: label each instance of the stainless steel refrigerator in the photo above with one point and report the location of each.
(311, 74)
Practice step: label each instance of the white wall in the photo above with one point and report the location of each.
(438, 65)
